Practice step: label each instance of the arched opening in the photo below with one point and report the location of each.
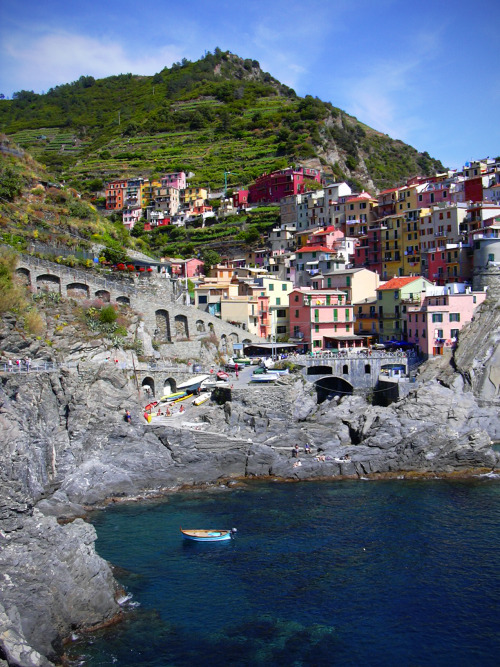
(234, 337)
(246, 341)
(24, 275)
(162, 332)
(124, 300)
(200, 326)
(48, 283)
(169, 386)
(368, 369)
(104, 295)
(393, 370)
(148, 386)
(77, 290)
(319, 370)
(345, 369)
(332, 386)
(181, 327)
(210, 327)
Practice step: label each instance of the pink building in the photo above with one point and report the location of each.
(176, 179)
(330, 237)
(187, 268)
(433, 193)
(435, 324)
(322, 319)
(273, 187)
(130, 216)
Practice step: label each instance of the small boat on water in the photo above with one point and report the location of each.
(208, 535)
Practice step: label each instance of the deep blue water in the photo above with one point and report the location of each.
(385, 573)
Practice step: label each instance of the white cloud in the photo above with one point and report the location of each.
(389, 94)
(63, 57)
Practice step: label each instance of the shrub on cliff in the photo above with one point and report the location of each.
(11, 294)
(108, 315)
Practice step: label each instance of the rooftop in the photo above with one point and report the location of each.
(397, 283)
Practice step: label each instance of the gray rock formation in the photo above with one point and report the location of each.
(65, 445)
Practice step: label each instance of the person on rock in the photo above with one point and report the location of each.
(128, 417)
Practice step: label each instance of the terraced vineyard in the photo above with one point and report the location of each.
(221, 113)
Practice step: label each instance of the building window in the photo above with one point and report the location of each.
(491, 257)
(284, 287)
(439, 333)
(271, 288)
(316, 315)
(454, 333)
(437, 317)
(317, 343)
(345, 369)
(454, 317)
(281, 330)
(202, 299)
(316, 328)
(296, 297)
(367, 369)
(335, 315)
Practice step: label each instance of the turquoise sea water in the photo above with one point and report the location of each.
(331, 573)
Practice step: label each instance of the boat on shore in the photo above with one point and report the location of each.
(193, 384)
(208, 535)
(264, 377)
(171, 398)
(199, 400)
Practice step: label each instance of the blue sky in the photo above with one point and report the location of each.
(424, 72)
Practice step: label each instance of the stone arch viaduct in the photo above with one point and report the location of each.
(345, 375)
(151, 295)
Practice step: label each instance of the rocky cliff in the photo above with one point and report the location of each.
(65, 446)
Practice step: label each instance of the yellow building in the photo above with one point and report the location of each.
(148, 192)
(391, 241)
(191, 196)
(407, 198)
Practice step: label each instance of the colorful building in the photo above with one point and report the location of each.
(115, 194)
(322, 319)
(393, 299)
(271, 188)
(435, 323)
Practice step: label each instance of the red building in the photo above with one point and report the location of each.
(240, 199)
(271, 188)
(473, 188)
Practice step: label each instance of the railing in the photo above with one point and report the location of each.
(51, 366)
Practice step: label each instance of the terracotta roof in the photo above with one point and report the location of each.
(384, 192)
(364, 196)
(325, 231)
(314, 248)
(397, 283)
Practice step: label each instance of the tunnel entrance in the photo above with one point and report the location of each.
(327, 387)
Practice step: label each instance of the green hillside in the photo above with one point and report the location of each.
(38, 215)
(218, 113)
